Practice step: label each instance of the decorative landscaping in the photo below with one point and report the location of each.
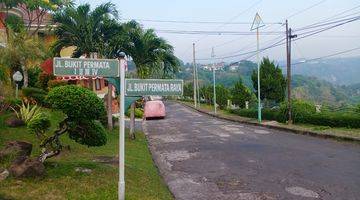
(82, 172)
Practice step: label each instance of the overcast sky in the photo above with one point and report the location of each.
(299, 14)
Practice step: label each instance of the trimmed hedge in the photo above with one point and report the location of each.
(335, 119)
(267, 114)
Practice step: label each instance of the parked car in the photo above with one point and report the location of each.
(154, 109)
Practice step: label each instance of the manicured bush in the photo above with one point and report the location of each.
(34, 95)
(335, 119)
(267, 114)
(304, 114)
(84, 109)
(76, 102)
(90, 133)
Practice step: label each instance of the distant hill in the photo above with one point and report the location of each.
(324, 92)
(339, 71)
(307, 87)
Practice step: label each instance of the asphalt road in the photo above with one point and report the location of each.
(201, 157)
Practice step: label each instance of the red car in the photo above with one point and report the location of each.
(154, 109)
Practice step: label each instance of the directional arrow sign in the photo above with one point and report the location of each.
(86, 67)
(159, 87)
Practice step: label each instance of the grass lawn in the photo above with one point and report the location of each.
(63, 182)
(338, 131)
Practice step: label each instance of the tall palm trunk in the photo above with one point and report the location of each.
(132, 121)
(26, 76)
(109, 107)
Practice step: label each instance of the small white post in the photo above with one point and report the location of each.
(121, 192)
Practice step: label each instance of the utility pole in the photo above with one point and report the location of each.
(194, 72)
(197, 84)
(289, 36)
(214, 80)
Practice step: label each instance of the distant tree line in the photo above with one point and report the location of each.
(272, 87)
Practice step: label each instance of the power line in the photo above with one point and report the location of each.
(305, 9)
(305, 35)
(317, 25)
(310, 33)
(338, 14)
(233, 18)
(249, 52)
(327, 56)
(250, 45)
(290, 16)
(199, 32)
(196, 22)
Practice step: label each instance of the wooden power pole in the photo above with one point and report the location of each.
(289, 36)
(194, 72)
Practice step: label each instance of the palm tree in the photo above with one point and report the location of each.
(82, 28)
(149, 52)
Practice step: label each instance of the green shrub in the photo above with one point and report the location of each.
(43, 80)
(78, 103)
(34, 74)
(7, 103)
(267, 114)
(39, 126)
(91, 133)
(304, 114)
(222, 96)
(56, 83)
(138, 113)
(34, 95)
(300, 110)
(84, 110)
(335, 119)
(12, 102)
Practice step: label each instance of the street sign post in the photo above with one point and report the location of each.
(86, 67)
(147, 87)
(17, 77)
(129, 87)
(258, 23)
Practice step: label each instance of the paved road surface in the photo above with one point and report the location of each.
(203, 158)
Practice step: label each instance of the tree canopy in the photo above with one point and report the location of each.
(240, 94)
(272, 81)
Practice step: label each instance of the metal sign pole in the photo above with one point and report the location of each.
(258, 23)
(258, 69)
(121, 192)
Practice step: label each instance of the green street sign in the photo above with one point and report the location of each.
(86, 67)
(158, 87)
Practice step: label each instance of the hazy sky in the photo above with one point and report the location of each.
(339, 39)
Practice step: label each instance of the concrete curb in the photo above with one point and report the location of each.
(296, 131)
